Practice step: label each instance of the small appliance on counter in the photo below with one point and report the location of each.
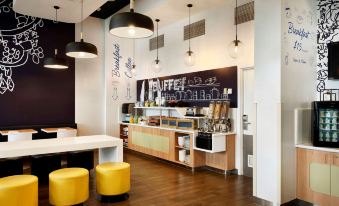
(126, 111)
(194, 112)
(325, 124)
(210, 142)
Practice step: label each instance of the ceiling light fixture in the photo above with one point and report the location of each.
(235, 48)
(131, 24)
(156, 63)
(81, 49)
(55, 62)
(189, 58)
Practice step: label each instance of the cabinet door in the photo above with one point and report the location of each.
(320, 178)
(335, 180)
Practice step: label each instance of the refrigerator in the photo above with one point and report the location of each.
(325, 124)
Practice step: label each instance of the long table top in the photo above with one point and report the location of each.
(5, 132)
(57, 145)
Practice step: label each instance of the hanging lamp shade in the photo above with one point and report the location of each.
(81, 50)
(236, 49)
(189, 55)
(131, 24)
(55, 63)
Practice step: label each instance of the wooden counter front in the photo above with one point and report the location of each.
(162, 143)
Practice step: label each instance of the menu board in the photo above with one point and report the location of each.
(196, 88)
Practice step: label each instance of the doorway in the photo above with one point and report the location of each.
(248, 120)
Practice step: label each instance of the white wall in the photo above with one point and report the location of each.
(298, 81)
(210, 51)
(267, 57)
(117, 85)
(90, 81)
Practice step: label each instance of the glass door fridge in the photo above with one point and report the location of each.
(325, 124)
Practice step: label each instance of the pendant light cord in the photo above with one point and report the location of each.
(236, 21)
(131, 5)
(157, 20)
(56, 13)
(81, 27)
(189, 28)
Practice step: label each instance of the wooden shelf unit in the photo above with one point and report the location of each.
(123, 136)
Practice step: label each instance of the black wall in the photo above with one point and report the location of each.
(198, 88)
(37, 95)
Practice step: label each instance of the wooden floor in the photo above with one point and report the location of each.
(154, 183)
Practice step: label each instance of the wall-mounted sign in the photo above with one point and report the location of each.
(197, 88)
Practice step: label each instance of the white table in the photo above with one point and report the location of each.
(110, 148)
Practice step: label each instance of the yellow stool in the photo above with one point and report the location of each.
(69, 186)
(113, 179)
(19, 190)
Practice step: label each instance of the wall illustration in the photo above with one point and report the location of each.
(19, 44)
(121, 74)
(328, 31)
(196, 88)
(29, 93)
(298, 35)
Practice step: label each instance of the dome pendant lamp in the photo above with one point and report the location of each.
(55, 62)
(235, 48)
(82, 49)
(189, 57)
(131, 24)
(156, 63)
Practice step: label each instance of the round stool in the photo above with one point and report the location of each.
(19, 190)
(69, 186)
(113, 180)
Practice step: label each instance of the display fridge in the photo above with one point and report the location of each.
(325, 124)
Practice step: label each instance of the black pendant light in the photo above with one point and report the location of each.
(55, 62)
(81, 49)
(189, 57)
(156, 63)
(131, 24)
(235, 48)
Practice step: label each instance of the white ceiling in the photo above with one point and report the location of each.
(70, 10)
(170, 11)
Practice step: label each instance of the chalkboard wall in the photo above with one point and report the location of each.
(196, 88)
(29, 93)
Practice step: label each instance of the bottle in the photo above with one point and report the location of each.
(131, 120)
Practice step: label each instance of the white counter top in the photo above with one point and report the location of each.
(173, 129)
(110, 148)
(311, 147)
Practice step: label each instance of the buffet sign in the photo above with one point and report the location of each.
(196, 88)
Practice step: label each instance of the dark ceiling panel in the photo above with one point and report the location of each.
(109, 8)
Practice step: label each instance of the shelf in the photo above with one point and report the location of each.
(183, 163)
(193, 117)
(185, 148)
(160, 108)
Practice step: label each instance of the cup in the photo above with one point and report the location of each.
(182, 155)
(181, 141)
